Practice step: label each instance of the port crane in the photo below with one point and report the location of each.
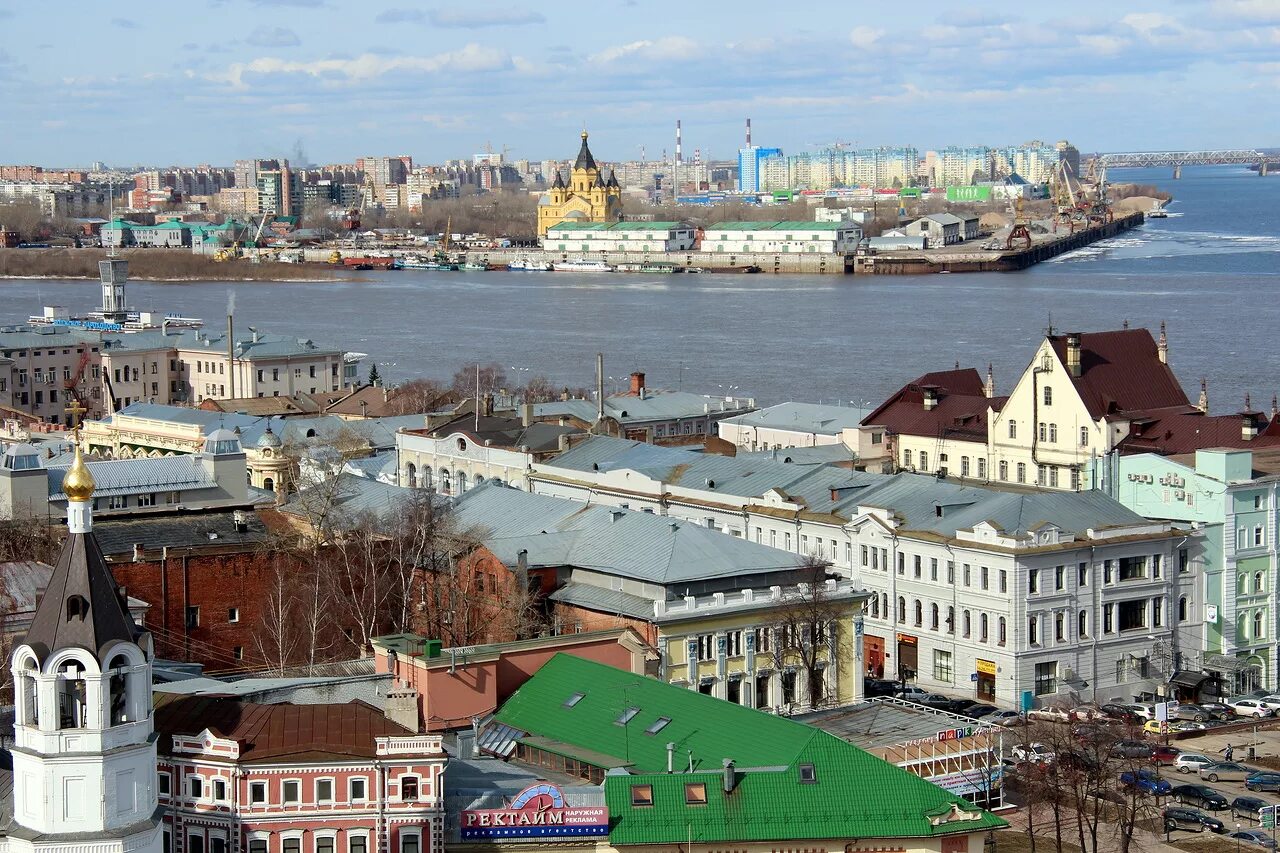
(1019, 231)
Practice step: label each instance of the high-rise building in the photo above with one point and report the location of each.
(960, 166)
(749, 160)
(1070, 154)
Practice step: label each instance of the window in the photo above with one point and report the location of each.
(220, 790)
(1258, 632)
(1133, 568)
(951, 620)
(865, 556)
(1004, 580)
(1033, 581)
(1013, 429)
(1004, 470)
(162, 783)
(942, 666)
(355, 843)
(982, 468)
(966, 574)
(706, 647)
(1257, 535)
(1106, 571)
(1022, 472)
(1053, 476)
(195, 787)
(906, 458)
(1157, 612)
(574, 699)
(1084, 436)
(983, 634)
(409, 787)
(924, 461)
(902, 609)
(1048, 396)
(1133, 614)
(902, 563)
(410, 842)
(1059, 578)
(933, 617)
(324, 790)
(1002, 634)
(1184, 561)
(1182, 608)
(657, 725)
(964, 466)
(324, 844)
(986, 573)
(1108, 621)
(1046, 678)
(195, 842)
(627, 716)
(358, 789)
(915, 565)
(695, 793)
(808, 774)
(1258, 582)
(933, 569)
(1082, 574)
(641, 795)
(1053, 433)
(290, 791)
(193, 617)
(951, 572)
(1082, 624)
(919, 613)
(233, 614)
(257, 793)
(1033, 630)
(1042, 431)
(1059, 627)
(968, 624)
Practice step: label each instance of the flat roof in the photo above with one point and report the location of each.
(883, 722)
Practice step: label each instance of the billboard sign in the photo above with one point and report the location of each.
(538, 811)
(969, 193)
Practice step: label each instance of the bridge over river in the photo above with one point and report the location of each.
(1177, 159)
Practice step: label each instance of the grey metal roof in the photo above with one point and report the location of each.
(803, 417)
(656, 405)
(354, 497)
(823, 454)
(639, 545)
(612, 601)
(131, 476)
(177, 530)
(880, 723)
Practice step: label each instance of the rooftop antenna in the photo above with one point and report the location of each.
(1048, 330)
(477, 398)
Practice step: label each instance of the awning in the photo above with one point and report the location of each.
(1192, 680)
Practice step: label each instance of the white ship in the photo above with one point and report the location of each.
(581, 265)
(529, 265)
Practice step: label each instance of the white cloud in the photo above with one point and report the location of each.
(667, 48)
(865, 37)
(367, 66)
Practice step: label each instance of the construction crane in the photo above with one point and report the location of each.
(72, 385)
(1066, 205)
(1019, 231)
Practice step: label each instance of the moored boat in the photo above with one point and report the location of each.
(581, 265)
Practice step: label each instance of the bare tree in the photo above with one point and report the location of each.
(420, 395)
(492, 380)
(30, 539)
(276, 636)
(805, 629)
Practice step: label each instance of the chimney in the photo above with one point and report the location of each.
(137, 552)
(564, 393)
(1073, 353)
(231, 355)
(1248, 421)
(488, 405)
(1163, 346)
(240, 519)
(637, 384)
(1203, 403)
(748, 133)
(671, 757)
(930, 393)
(989, 389)
(730, 777)
(615, 515)
(526, 414)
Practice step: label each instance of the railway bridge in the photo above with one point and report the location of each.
(1177, 159)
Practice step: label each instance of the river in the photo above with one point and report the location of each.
(1210, 271)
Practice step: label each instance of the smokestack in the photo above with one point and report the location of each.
(675, 185)
(599, 387)
(730, 777)
(231, 355)
(671, 757)
(637, 384)
(748, 133)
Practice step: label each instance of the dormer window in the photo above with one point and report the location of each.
(808, 774)
(77, 607)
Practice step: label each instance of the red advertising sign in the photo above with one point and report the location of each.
(538, 811)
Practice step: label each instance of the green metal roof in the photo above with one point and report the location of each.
(855, 793)
(617, 226)
(785, 225)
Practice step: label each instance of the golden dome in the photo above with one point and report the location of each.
(78, 483)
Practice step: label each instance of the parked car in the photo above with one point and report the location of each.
(1165, 754)
(1154, 727)
(1145, 710)
(1254, 836)
(1191, 820)
(1147, 781)
(1221, 710)
(1131, 749)
(1034, 751)
(879, 687)
(1250, 708)
(1226, 770)
(1191, 725)
(1263, 781)
(1250, 807)
(1190, 712)
(1004, 718)
(1086, 713)
(1049, 714)
(978, 711)
(932, 700)
(1191, 762)
(1271, 700)
(1200, 795)
(1118, 712)
(911, 692)
(961, 706)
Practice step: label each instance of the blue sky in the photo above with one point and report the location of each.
(213, 81)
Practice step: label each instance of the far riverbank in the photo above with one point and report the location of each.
(158, 265)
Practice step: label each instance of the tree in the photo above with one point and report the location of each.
(374, 378)
(29, 539)
(806, 632)
(539, 390)
(25, 216)
(420, 395)
(277, 635)
(492, 380)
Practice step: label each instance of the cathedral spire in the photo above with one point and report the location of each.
(585, 160)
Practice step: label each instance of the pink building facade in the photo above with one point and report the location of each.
(235, 777)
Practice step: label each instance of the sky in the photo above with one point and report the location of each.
(217, 80)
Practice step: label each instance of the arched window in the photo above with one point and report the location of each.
(411, 476)
(1053, 433)
(875, 606)
(1258, 632)
(982, 637)
(311, 433)
(71, 697)
(933, 617)
(902, 609)
(1242, 585)
(30, 688)
(919, 613)
(77, 608)
(1048, 396)
(479, 480)
(1013, 429)
(118, 690)
(1002, 635)
(968, 624)
(1082, 623)
(444, 481)
(462, 481)
(951, 620)
(1182, 609)
(426, 477)
(1257, 582)
(884, 604)
(268, 484)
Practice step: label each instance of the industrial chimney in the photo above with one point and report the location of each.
(748, 133)
(675, 184)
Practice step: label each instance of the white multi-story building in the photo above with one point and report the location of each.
(789, 425)
(956, 166)
(619, 237)
(1013, 597)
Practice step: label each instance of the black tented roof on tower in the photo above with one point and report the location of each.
(585, 160)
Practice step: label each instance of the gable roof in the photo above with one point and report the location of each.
(1178, 430)
(961, 408)
(856, 794)
(1121, 371)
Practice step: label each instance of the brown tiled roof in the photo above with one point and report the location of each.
(271, 732)
(1121, 371)
(961, 410)
(1175, 431)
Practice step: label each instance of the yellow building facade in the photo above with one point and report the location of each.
(588, 197)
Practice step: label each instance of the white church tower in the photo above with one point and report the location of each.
(84, 755)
